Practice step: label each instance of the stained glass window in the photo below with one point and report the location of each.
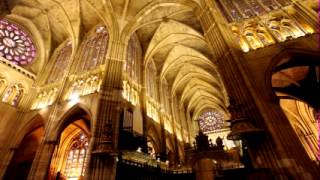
(93, 50)
(13, 94)
(211, 121)
(62, 60)
(132, 64)
(76, 158)
(3, 84)
(151, 78)
(15, 44)
(235, 10)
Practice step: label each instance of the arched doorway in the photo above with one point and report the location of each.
(295, 81)
(21, 162)
(70, 156)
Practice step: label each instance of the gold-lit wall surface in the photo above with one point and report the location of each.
(154, 67)
(302, 119)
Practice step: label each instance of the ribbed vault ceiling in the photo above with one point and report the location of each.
(168, 30)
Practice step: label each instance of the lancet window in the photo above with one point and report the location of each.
(85, 86)
(152, 110)
(3, 85)
(93, 50)
(132, 71)
(166, 97)
(130, 93)
(254, 35)
(151, 81)
(132, 65)
(13, 94)
(16, 44)
(76, 158)
(45, 98)
(284, 28)
(59, 68)
(152, 92)
(211, 121)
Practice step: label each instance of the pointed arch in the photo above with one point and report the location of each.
(153, 134)
(76, 112)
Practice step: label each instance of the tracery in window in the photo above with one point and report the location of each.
(130, 93)
(284, 28)
(76, 157)
(152, 110)
(17, 97)
(16, 44)
(85, 86)
(210, 121)
(252, 35)
(236, 10)
(59, 68)
(93, 50)
(151, 149)
(13, 94)
(152, 82)
(166, 97)
(132, 64)
(3, 85)
(152, 104)
(45, 98)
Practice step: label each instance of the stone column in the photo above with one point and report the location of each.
(5, 160)
(280, 149)
(42, 160)
(103, 162)
(317, 117)
(142, 101)
(204, 169)
(163, 147)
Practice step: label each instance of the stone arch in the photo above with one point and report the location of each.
(35, 122)
(72, 114)
(170, 145)
(153, 134)
(55, 58)
(99, 34)
(107, 17)
(154, 144)
(74, 123)
(135, 24)
(310, 149)
(282, 57)
(73, 134)
(28, 138)
(302, 120)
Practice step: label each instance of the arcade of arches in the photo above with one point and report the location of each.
(193, 89)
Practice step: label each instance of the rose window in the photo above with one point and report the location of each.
(211, 121)
(15, 44)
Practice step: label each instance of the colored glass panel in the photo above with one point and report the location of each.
(210, 121)
(15, 44)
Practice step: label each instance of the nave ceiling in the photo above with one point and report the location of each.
(169, 32)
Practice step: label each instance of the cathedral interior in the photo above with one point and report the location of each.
(159, 89)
